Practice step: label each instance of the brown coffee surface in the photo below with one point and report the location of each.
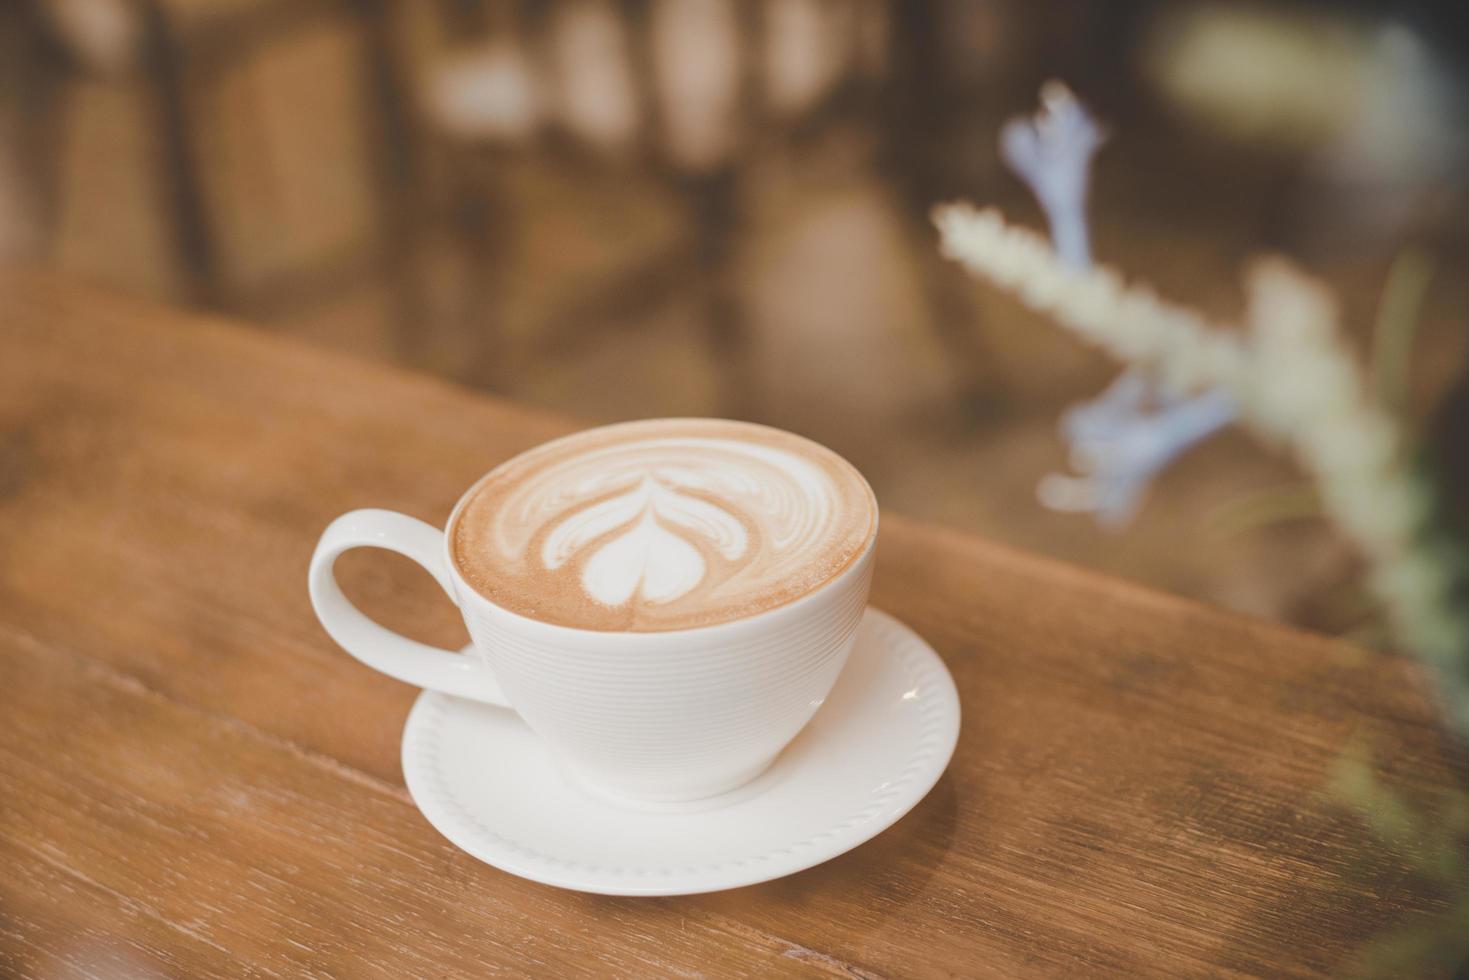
(661, 525)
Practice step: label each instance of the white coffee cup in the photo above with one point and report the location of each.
(639, 717)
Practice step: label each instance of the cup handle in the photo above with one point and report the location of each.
(397, 656)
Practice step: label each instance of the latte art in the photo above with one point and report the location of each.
(637, 542)
(662, 525)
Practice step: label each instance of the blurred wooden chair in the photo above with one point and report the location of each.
(692, 91)
(231, 236)
(443, 96)
(28, 77)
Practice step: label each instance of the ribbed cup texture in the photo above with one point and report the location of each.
(676, 715)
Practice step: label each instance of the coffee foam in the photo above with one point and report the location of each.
(661, 525)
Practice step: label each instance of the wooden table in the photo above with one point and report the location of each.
(193, 779)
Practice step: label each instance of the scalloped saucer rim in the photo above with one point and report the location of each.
(874, 750)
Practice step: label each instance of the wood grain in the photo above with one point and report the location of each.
(195, 781)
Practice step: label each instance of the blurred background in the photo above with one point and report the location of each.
(623, 208)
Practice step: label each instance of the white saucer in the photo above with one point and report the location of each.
(871, 753)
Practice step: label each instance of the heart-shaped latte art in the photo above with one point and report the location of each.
(635, 544)
(664, 524)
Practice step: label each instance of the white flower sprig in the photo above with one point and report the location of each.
(1295, 384)
(1129, 322)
